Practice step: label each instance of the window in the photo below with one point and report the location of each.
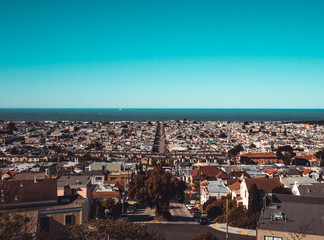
(74, 191)
(272, 238)
(98, 179)
(69, 219)
(45, 224)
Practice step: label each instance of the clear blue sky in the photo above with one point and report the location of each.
(162, 54)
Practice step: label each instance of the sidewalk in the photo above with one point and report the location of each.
(234, 230)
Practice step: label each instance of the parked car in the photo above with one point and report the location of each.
(203, 220)
(192, 210)
(133, 203)
(131, 209)
(196, 214)
(190, 206)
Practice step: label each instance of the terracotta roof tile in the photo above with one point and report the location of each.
(235, 186)
(307, 157)
(306, 171)
(259, 155)
(264, 184)
(271, 171)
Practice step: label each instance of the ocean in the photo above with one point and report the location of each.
(131, 114)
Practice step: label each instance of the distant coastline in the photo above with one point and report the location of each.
(132, 114)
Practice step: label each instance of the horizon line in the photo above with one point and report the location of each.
(164, 108)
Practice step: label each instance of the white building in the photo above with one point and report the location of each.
(215, 189)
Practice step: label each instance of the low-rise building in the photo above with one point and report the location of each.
(212, 189)
(292, 217)
(265, 185)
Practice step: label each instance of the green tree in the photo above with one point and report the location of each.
(254, 200)
(108, 229)
(214, 210)
(235, 150)
(285, 153)
(210, 201)
(156, 188)
(15, 227)
(320, 155)
(109, 203)
(205, 236)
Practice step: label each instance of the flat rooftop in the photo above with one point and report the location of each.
(301, 214)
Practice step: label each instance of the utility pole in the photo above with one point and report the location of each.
(123, 197)
(200, 208)
(226, 219)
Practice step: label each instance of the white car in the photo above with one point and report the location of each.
(190, 206)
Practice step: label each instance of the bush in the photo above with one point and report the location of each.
(213, 210)
(108, 229)
(239, 217)
(209, 202)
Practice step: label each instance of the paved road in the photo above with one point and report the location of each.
(145, 214)
(187, 231)
(182, 226)
(142, 214)
(159, 141)
(180, 213)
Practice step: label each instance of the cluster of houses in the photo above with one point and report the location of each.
(254, 137)
(55, 195)
(281, 215)
(58, 173)
(65, 141)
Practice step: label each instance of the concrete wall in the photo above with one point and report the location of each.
(57, 223)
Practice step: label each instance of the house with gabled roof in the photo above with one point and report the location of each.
(37, 199)
(265, 185)
(235, 189)
(207, 172)
(212, 189)
(306, 160)
(259, 158)
(271, 173)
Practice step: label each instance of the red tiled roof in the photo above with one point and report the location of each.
(264, 184)
(235, 186)
(8, 174)
(306, 171)
(207, 171)
(194, 174)
(308, 157)
(271, 171)
(238, 174)
(259, 155)
(222, 175)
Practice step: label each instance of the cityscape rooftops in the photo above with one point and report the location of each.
(287, 215)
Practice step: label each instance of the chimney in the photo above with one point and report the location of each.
(35, 180)
(47, 173)
(281, 179)
(297, 183)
